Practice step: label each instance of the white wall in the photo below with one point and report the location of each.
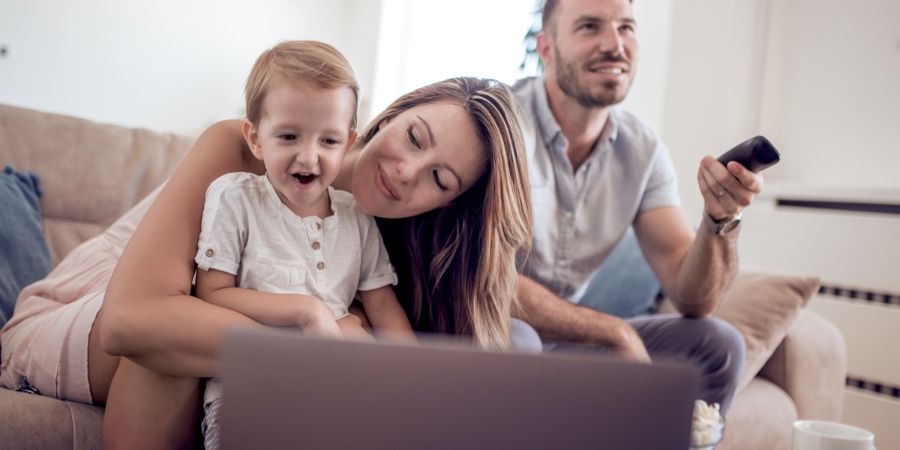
(358, 41)
(832, 91)
(713, 86)
(820, 77)
(179, 66)
(166, 65)
(423, 41)
(647, 96)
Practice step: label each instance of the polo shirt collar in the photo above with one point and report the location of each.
(549, 127)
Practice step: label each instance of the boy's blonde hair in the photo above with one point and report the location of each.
(299, 62)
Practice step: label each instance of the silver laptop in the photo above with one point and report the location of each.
(283, 390)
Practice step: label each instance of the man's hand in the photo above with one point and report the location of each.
(629, 345)
(696, 268)
(556, 319)
(726, 190)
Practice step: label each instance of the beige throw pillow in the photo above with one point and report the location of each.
(763, 308)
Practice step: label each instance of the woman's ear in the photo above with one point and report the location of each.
(251, 135)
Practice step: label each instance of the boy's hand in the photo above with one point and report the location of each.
(351, 328)
(316, 319)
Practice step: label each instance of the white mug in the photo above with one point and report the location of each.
(821, 435)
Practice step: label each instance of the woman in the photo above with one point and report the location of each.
(444, 167)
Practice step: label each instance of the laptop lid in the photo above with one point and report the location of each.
(284, 390)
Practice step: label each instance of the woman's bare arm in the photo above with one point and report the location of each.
(386, 315)
(148, 314)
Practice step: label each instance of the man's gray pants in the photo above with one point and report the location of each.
(711, 345)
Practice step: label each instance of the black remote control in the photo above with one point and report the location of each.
(756, 154)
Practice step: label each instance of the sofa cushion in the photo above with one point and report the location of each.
(25, 256)
(761, 418)
(811, 366)
(763, 307)
(624, 285)
(91, 173)
(35, 421)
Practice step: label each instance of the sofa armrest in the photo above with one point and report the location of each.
(811, 366)
(35, 421)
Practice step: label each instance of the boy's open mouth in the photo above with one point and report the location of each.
(305, 178)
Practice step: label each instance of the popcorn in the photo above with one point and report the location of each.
(706, 429)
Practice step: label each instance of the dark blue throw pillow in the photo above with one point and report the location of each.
(25, 255)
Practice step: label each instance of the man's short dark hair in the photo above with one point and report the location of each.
(547, 15)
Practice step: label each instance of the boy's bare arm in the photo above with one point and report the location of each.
(280, 310)
(385, 314)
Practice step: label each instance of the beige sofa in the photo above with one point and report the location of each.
(92, 173)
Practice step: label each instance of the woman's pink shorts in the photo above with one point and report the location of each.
(45, 344)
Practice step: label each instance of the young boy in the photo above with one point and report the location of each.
(285, 248)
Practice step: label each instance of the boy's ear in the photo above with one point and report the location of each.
(352, 139)
(251, 135)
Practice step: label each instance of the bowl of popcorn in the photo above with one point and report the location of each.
(707, 427)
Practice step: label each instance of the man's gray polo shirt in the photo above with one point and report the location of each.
(579, 217)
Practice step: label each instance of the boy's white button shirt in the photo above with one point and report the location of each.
(248, 232)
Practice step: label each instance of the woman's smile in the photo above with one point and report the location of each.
(384, 184)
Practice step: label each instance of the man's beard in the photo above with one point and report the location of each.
(567, 78)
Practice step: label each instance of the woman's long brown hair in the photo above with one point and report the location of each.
(456, 264)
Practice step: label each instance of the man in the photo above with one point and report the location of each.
(596, 170)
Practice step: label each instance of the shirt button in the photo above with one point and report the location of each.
(210, 253)
(320, 265)
(316, 245)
